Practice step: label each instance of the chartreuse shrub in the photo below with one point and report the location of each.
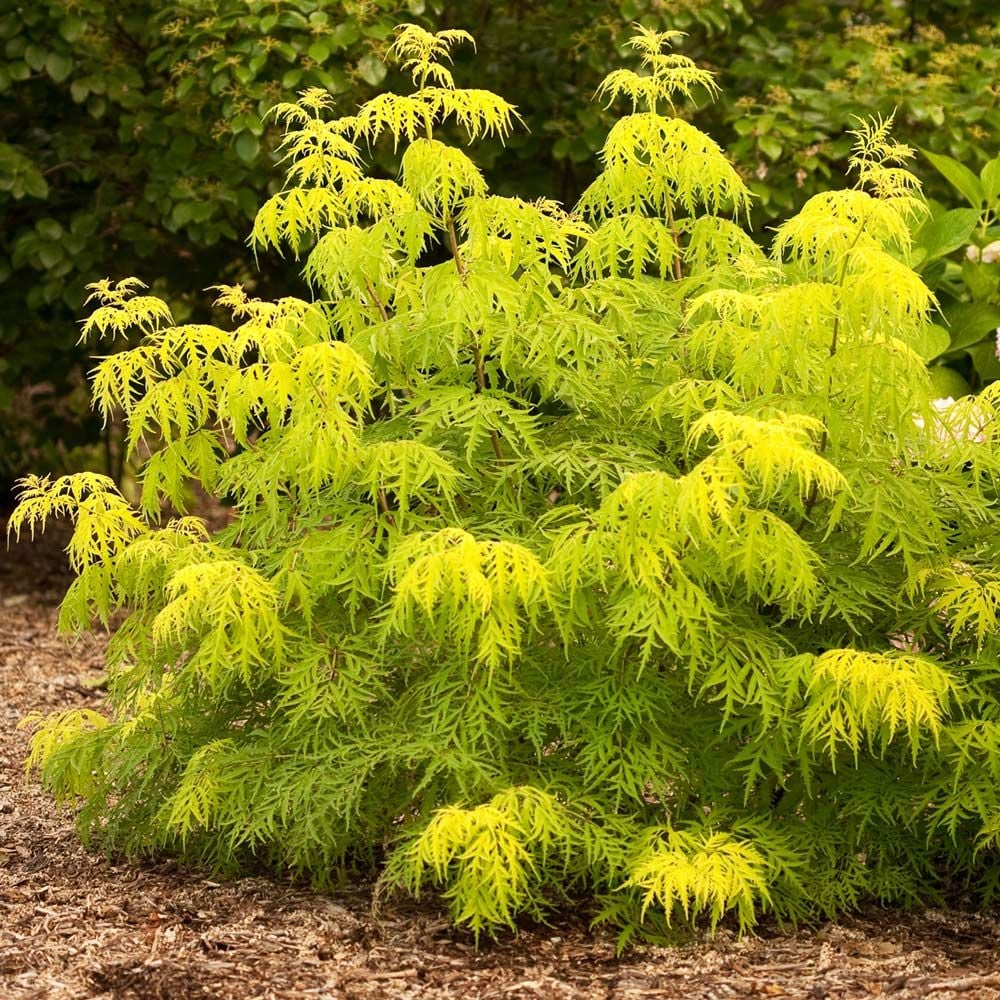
(574, 553)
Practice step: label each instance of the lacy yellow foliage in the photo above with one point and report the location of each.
(586, 550)
(710, 874)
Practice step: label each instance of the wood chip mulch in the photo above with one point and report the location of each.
(73, 924)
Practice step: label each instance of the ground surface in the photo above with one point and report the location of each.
(75, 925)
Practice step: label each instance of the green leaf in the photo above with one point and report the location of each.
(378, 29)
(944, 233)
(980, 279)
(35, 56)
(292, 19)
(970, 322)
(985, 361)
(244, 74)
(49, 229)
(372, 69)
(770, 146)
(947, 382)
(990, 179)
(344, 35)
(181, 213)
(959, 176)
(84, 224)
(58, 66)
(933, 273)
(247, 147)
(50, 254)
(319, 52)
(36, 185)
(184, 87)
(72, 27)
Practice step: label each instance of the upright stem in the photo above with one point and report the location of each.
(824, 439)
(378, 303)
(477, 353)
(677, 265)
(449, 223)
(383, 502)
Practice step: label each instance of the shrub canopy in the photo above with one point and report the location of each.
(135, 137)
(594, 552)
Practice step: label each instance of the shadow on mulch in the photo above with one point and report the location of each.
(76, 925)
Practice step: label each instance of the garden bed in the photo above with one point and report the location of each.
(74, 925)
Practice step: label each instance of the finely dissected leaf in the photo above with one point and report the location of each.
(592, 551)
(712, 874)
(657, 163)
(853, 696)
(440, 177)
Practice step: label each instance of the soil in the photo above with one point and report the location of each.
(74, 924)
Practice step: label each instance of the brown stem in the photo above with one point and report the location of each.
(453, 246)
(58, 166)
(477, 360)
(383, 502)
(677, 265)
(379, 304)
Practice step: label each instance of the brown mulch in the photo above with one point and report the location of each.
(73, 924)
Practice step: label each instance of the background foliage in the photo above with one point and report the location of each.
(132, 131)
(959, 259)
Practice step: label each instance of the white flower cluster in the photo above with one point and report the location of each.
(989, 254)
(965, 419)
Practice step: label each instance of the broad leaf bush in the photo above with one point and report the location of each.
(958, 257)
(591, 553)
(801, 72)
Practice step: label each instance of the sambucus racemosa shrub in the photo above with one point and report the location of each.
(592, 552)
